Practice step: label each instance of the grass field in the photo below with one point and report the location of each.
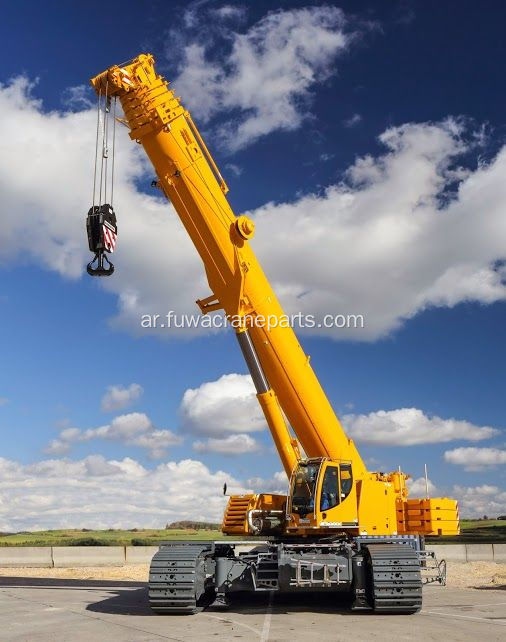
(140, 537)
(476, 532)
(472, 532)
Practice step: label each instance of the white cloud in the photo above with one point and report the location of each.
(352, 121)
(476, 458)
(58, 447)
(230, 12)
(277, 484)
(218, 408)
(234, 169)
(68, 434)
(474, 501)
(417, 487)
(121, 427)
(118, 397)
(78, 97)
(156, 442)
(132, 429)
(477, 501)
(381, 245)
(232, 445)
(264, 82)
(410, 426)
(45, 225)
(99, 493)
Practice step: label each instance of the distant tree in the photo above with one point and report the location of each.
(485, 517)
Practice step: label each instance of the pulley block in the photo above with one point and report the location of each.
(102, 232)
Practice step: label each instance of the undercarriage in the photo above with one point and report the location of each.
(382, 574)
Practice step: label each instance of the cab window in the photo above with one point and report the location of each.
(304, 484)
(346, 480)
(330, 488)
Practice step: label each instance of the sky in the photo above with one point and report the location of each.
(367, 141)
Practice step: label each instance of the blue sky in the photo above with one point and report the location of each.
(390, 135)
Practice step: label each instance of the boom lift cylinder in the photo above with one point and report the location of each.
(286, 445)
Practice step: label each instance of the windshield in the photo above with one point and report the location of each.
(303, 491)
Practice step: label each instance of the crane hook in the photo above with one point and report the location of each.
(102, 233)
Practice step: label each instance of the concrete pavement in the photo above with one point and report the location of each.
(40, 610)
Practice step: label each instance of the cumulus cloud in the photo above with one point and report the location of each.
(118, 397)
(95, 492)
(99, 493)
(410, 426)
(418, 488)
(232, 445)
(121, 427)
(264, 82)
(46, 224)
(477, 501)
(278, 483)
(476, 458)
(387, 244)
(218, 408)
(474, 501)
(406, 230)
(132, 429)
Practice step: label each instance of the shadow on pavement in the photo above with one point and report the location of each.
(491, 587)
(131, 598)
(135, 602)
(123, 602)
(53, 582)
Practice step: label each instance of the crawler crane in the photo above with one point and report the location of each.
(340, 527)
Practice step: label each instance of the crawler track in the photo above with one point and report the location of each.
(395, 579)
(177, 579)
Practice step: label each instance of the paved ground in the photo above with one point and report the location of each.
(52, 610)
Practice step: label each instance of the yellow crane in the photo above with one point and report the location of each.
(341, 527)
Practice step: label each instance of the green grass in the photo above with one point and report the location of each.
(472, 531)
(140, 537)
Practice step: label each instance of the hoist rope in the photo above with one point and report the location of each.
(96, 149)
(103, 109)
(103, 144)
(113, 148)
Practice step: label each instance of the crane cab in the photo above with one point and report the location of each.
(322, 496)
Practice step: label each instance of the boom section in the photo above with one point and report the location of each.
(189, 178)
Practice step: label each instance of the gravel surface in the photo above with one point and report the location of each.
(476, 575)
(460, 575)
(137, 573)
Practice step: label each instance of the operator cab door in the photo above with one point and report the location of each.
(336, 501)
